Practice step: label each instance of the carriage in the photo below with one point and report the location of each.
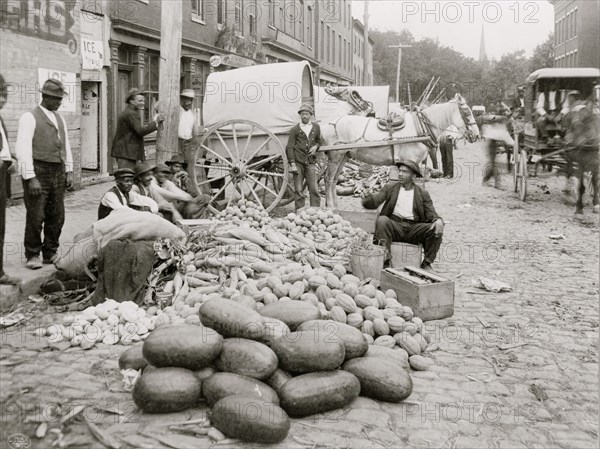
(530, 145)
(247, 115)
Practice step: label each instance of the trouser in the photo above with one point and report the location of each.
(541, 122)
(44, 211)
(125, 163)
(306, 172)
(185, 150)
(389, 230)
(447, 148)
(192, 210)
(4, 178)
(433, 157)
(490, 168)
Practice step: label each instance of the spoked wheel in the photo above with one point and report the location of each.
(250, 162)
(515, 160)
(521, 171)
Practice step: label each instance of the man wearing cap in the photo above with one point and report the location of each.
(180, 176)
(121, 196)
(188, 206)
(303, 142)
(145, 185)
(128, 144)
(46, 163)
(407, 215)
(187, 124)
(8, 165)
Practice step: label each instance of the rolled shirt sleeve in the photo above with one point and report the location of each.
(23, 147)
(110, 200)
(69, 161)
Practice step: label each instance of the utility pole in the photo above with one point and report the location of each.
(366, 52)
(171, 17)
(399, 47)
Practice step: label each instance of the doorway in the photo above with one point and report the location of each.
(90, 128)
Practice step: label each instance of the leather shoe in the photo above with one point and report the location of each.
(5, 279)
(427, 267)
(34, 263)
(50, 260)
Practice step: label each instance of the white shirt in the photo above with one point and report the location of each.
(5, 152)
(110, 199)
(404, 204)
(542, 100)
(24, 147)
(187, 120)
(306, 128)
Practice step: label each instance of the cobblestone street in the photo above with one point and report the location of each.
(513, 370)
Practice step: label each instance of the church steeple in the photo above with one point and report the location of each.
(482, 53)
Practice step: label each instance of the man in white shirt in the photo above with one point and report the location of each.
(121, 196)
(187, 126)
(188, 206)
(407, 215)
(8, 165)
(46, 164)
(547, 109)
(447, 146)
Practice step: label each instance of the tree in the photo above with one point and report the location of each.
(543, 55)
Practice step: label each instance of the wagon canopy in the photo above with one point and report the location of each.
(562, 72)
(269, 94)
(328, 108)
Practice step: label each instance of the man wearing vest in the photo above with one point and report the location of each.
(8, 165)
(303, 142)
(46, 163)
(121, 196)
(407, 215)
(547, 109)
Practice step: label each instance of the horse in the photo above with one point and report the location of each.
(431, 122)
(583, 150)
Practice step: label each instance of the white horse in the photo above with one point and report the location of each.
(351, 129)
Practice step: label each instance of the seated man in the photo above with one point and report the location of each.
(180, 175)
(572, 102)
(121, 196)
(188, 206)
(547, 109)
(145, 185)
(407, 215)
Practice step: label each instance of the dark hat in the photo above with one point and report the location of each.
(412, 165)
(123, 172)
(132, 93)
(162, 168)
(177, 160)
(53, 88)
(306, 107)
(143, 167)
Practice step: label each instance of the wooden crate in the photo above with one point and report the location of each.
(405, 254)
(428, 301)
(364, 219)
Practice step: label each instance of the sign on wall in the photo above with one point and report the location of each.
(92, 54)
(69, 80)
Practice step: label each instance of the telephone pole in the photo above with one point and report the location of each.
(366, 52)
(171, 15)
(399, 47)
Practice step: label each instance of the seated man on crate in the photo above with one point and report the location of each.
(407, 215)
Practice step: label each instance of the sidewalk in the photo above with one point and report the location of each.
(81, 208)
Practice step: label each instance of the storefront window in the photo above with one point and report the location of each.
(151, 76)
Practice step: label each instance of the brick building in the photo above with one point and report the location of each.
(102, 48)
(576, 33)
(358, 53)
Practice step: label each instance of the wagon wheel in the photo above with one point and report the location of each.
(515, 161)
(521, 170)
(242, 166)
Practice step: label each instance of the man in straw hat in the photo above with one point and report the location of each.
(303, 142)
(121, 196)
(145, 185)
(187, 125)
(46, 163)
(407, 215)
(188, 206)
(128, 144)
(180, 177)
